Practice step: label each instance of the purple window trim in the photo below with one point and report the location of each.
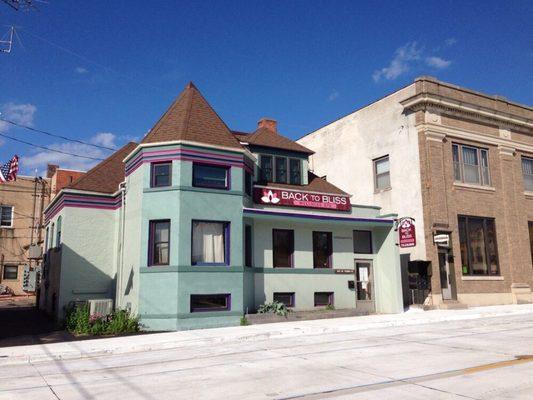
(211, 164)
(152, 173)
(330, 244)
(151, 237)
(227, 242)
(331, 299)
(226, 308)
(292, 296)
(291, 257)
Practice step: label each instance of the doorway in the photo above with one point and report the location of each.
(364, 286)
(444, 272)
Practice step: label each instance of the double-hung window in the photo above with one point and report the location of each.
(295, 171)
(527, 172)
(6, 216)
(11, 272)
(479, 251)
(382, 173)
(159, 244)
(283, 248)
(266, 168)
(210, 243)
(322, 249)
(281, 170)
(210, 176)
(161, 174)
(471, 165)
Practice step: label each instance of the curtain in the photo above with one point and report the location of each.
(470, 165)
(208, 242)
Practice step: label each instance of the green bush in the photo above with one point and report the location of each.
(79, 322)
(244, 321)
(274, 307)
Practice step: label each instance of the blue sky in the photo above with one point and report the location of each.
(105, 71)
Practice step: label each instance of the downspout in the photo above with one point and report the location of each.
(120, 269)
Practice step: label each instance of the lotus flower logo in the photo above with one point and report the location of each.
(269, 197)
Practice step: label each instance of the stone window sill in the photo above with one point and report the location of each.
(474, 187)
(378, 191)
(482, 278)
(528, 194)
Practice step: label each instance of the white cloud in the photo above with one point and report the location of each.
(450, 42)
(20, 113)
(39, 160)
(81, 70)
(437, 62)
(401, 63)
(334, 95)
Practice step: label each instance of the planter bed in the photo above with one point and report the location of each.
(254, 319)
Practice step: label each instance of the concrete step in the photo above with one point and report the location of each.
(452, 305)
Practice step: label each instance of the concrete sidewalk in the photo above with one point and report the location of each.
(205, 337)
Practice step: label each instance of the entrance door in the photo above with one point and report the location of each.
(444, 271)
(364, 286)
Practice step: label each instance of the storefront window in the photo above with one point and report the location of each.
(527, 172)
(471, 165)
(322, 249)
(283, 247)
(479, 253)
(284, 298)
(209, 241)
(382, 173)
(210, 302)
(210, 176)
(161, 173)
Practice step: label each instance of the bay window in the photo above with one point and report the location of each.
(161, 174)
(283, 248)
(479, 252)
(322, 249)
(210, 176)
(471, 165)
(527, 173)
(159, 243)
(210, 243)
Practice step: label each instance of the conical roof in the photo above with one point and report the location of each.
(191, 118)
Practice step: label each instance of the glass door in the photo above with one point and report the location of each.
(364, 282)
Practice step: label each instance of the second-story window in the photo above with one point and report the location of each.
(6, 216)
(527, 172)
(161, 174)
(266, 168)
(295, 171)
(281, 170)
(471, 165)
(382, 173)
(210, 176)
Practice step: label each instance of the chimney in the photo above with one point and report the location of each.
(51, 170)
(268, 123)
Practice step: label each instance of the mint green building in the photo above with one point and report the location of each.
(198, 225)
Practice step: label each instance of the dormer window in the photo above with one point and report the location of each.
(295, 171)
(281, 170)
(266, 168)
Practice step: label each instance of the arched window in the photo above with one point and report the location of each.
(58, 234)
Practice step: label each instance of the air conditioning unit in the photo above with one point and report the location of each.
(35, 252)
(100, 306)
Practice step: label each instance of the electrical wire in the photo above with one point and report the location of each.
(49, 149)
(57, 136)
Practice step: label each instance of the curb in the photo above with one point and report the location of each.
(174, 340)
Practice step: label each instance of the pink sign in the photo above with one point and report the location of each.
(294, 198)
(406, 228)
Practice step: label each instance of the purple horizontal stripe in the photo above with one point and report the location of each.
(315, 216)
(81, 201)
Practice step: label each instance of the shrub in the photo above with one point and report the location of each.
(274, 307)
(244, 321)
(79, 322)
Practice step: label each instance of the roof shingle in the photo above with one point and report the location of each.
(267, 138)
(191, 118)
(316, 184)
(105, 176)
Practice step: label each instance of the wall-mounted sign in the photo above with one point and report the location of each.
(344, 271)
(406, 232)
(294, 198)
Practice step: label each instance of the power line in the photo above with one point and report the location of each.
(55, 135)
(49, 149)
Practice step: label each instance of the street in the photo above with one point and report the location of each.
(482, 358)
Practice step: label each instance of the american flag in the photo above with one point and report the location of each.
(8, 171)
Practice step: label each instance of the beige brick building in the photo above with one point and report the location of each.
(21, 206)
(461, 163)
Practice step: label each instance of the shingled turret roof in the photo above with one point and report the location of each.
(191, 118)
(105, 176)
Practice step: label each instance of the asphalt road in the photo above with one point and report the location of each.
(476, 359)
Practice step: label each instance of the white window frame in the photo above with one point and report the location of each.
(375, 172)
(529, 159)
(460, 162)
(12, 216)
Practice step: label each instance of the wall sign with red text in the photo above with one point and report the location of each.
(407, 232)
(294, 198)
